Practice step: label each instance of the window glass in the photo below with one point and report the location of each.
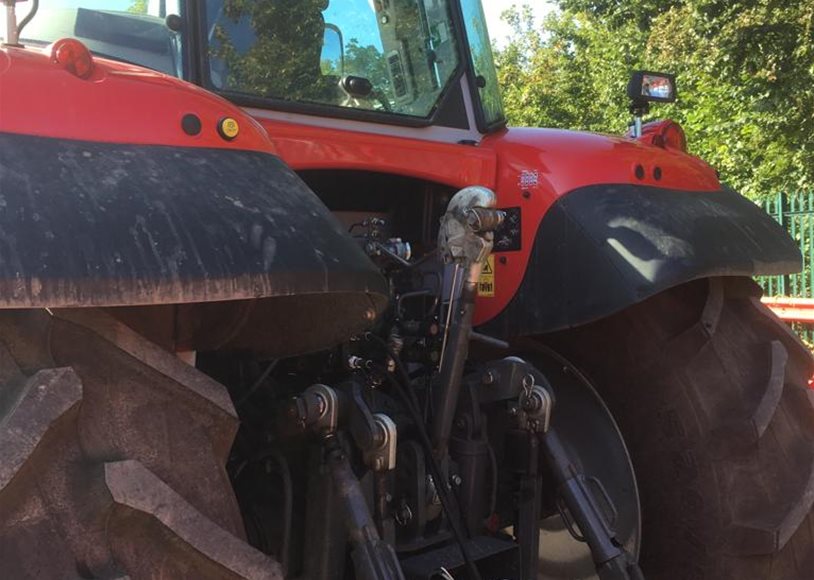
(483, 61)
(133, 31)
(393, 56)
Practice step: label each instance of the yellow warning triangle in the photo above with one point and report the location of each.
(487, 267)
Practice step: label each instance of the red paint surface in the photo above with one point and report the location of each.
(127, 104)
(306, 147)
(563, 160)
(567, 160)
(117, 103)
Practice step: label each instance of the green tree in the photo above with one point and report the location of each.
(274, 48)
(745, 75)
(282, 59)
(571, 72)
(367, 62)
(138, 7)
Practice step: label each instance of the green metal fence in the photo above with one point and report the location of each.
(796, 213)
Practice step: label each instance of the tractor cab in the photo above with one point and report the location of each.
(392, 61)
(415, 63)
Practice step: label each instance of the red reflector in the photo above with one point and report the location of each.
(73, 56)
(674, 137)
(665, 134)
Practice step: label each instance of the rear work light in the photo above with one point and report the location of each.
(73, 56)
(665, 134)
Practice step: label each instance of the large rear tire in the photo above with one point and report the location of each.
(112, 455)
(710, 392)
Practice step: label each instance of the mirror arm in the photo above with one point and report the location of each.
(638, 109)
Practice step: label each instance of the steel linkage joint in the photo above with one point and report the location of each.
(382, 456)
(535, 405)
(467, 228)
(316, 409)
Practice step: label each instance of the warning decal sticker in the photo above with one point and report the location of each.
(486, 284)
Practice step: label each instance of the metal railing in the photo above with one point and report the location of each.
(792, 296)
(796, 213)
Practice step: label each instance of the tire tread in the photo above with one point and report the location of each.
(93, 415)
(722, 436)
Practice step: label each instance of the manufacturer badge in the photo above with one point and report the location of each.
(529, 179)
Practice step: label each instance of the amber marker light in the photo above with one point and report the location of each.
(228, 128)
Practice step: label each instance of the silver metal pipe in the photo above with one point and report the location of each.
(451, 305)
(637, 126)
(12, 32)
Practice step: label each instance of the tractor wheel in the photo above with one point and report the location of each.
(710, 391)
(112, 455)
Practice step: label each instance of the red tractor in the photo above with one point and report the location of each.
(282, 296)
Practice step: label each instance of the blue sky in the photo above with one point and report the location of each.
(493, 8)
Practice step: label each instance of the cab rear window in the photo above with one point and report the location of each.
(390, 56)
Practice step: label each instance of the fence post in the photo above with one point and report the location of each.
(781, 219)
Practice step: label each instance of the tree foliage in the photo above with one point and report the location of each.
(271, 47)
(745, 76)
(138, 7)
(274, 48)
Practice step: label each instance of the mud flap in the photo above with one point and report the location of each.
(104, 224)
(602, 248)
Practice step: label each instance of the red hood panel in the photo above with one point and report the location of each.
(537, 166)
(568, 160)
(119, 103)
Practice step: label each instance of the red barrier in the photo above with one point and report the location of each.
(791, 309)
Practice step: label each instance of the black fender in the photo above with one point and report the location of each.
(603, 248)
(104, 224)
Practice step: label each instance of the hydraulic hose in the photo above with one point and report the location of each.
(401, 384)
(35, 6)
